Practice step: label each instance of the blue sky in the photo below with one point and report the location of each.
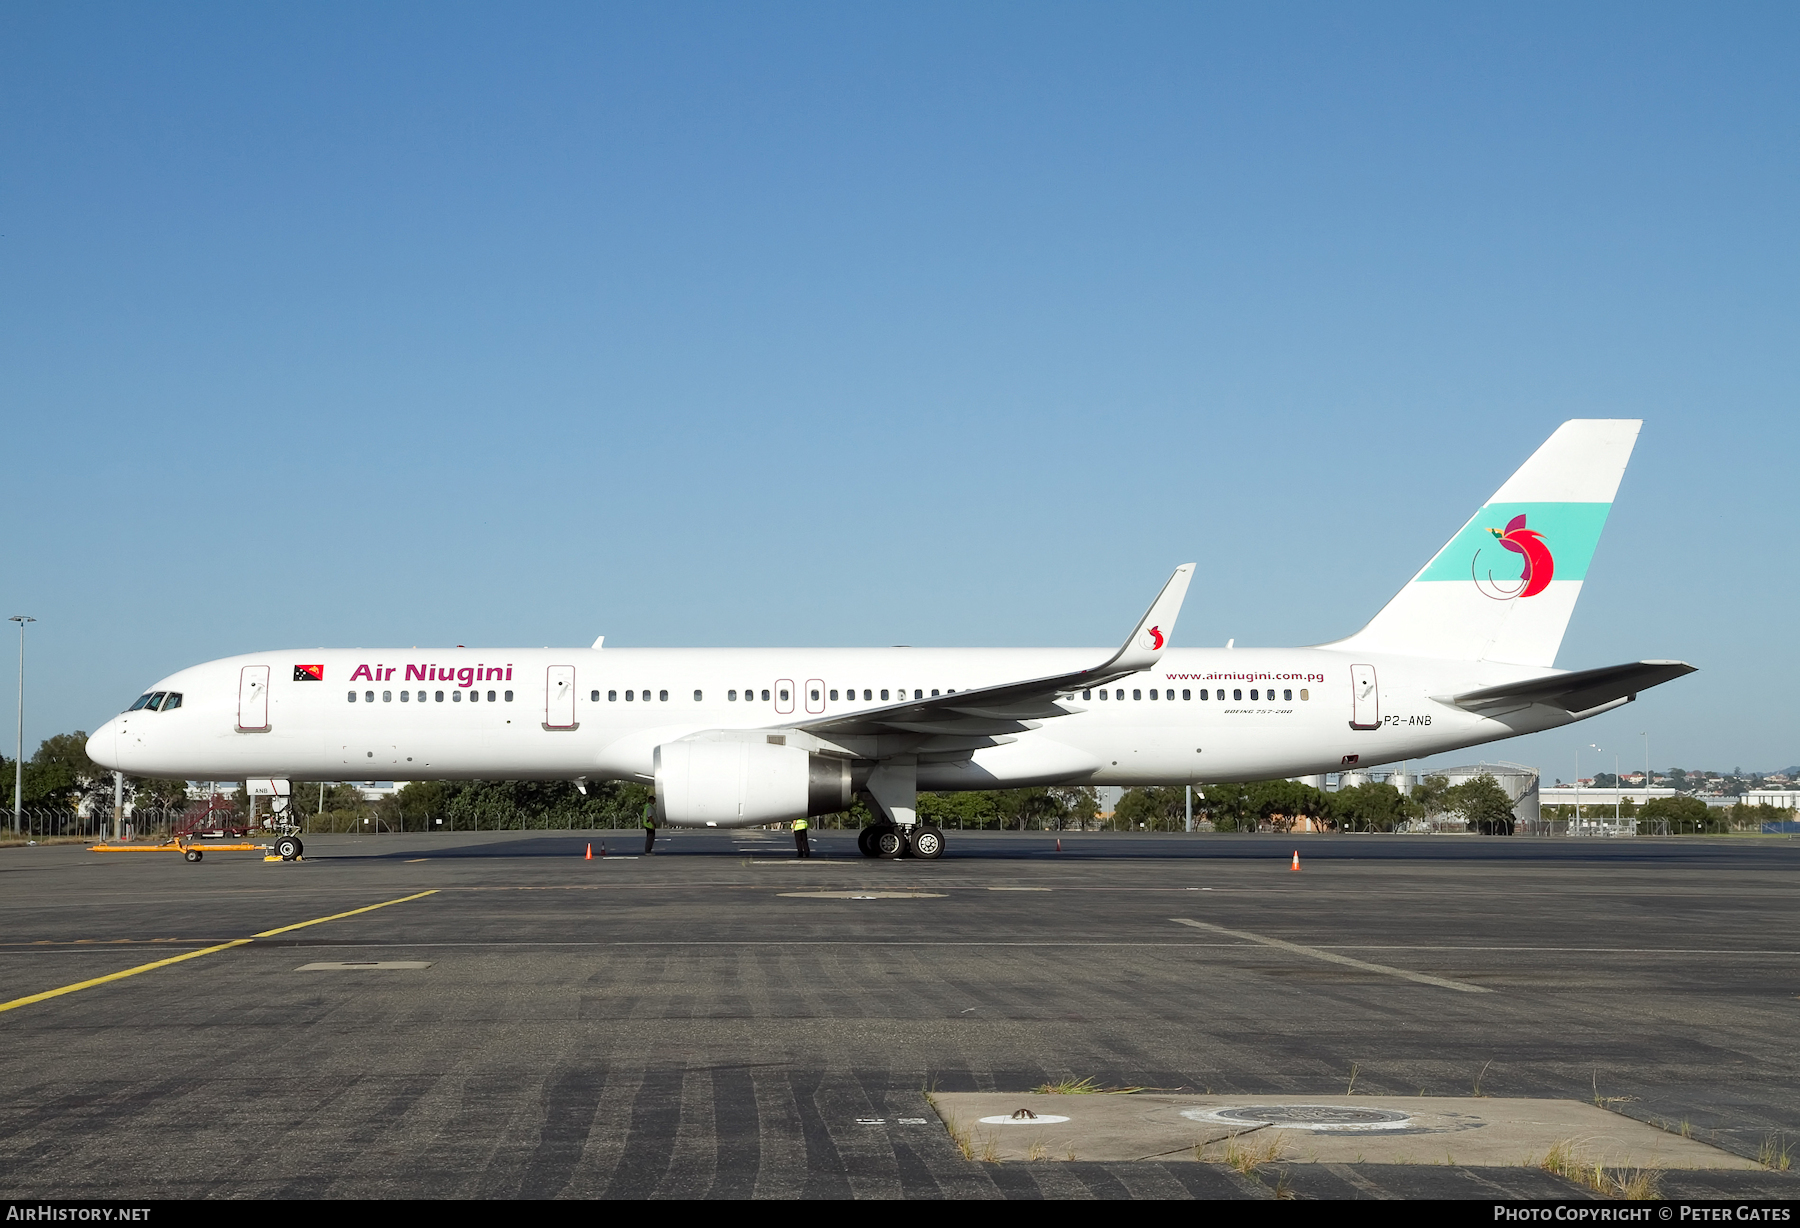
(863, 324)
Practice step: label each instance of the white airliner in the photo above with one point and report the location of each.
(1463, 654)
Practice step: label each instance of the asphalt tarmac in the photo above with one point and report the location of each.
(721, 1020)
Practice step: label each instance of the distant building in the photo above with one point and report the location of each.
(1519, 781)
(1564, 795)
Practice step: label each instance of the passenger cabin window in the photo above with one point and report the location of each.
(866, 695)
(1237, 695)
(834, 695)
(731, 696)
(594, 698)
(765, 697)
(1186, 694)
(387, 697)
(455, 697)
(1252, 694)
(474, 697)
(612, 697)
(697, 697)
(663, 695)
(404, 697)
(1088, 694)
(1303, 694)
(440, 697)
(784, 695)
(509, 697)
(352, 696)
(629, 695)
(1287, 696)
(884, 694)
(368, 697)
(490, 697)
(814, 694)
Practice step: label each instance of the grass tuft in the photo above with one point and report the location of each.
(1632, 1184)
(1246, 1158)
(1089, 1087)
(1776, 1154)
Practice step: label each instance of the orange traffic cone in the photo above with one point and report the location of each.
(590, 855)
(1296, 866)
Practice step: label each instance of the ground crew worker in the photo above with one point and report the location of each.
(649, 827)
(801, 849)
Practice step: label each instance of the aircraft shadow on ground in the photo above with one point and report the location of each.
(1034, 846)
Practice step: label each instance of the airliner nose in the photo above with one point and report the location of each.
(103, 747)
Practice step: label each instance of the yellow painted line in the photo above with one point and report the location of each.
(117, 976)
(336, 916)
(176, 959)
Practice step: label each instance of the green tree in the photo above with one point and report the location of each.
(1374, 806)
(1683, 814)
(1080, 805)
(1158, 809)
(1230, 805)
(60, 774)
(1484, 805)
(157, 792)
(1430, 795)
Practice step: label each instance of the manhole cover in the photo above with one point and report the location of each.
(1303, 1117)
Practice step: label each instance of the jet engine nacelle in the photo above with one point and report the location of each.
(742, 783)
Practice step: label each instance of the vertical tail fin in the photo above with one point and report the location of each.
(1504, 587)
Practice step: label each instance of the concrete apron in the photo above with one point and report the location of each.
(1309, 1129)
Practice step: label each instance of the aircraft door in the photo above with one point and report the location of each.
(559, 698)
(1365, 698)
(253, 699)
(784, 695)
(815, 695)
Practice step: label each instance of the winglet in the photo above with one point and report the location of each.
(1144, 647)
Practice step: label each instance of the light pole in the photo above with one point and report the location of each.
(1597, 752)
(19, 753)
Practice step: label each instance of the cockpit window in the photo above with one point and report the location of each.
(173, 700)
(141, 701)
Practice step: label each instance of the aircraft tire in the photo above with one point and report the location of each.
(194, 854)
(289, 847)
(889, 843)
(865, 841)
(927, 842)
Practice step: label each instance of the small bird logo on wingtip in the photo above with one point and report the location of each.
(1152, 639)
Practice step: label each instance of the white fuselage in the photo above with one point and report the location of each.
(416, 714)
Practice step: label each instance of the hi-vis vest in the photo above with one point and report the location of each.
(801, 824)
(649, 817)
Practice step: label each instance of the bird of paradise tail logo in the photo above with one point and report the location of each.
(1540, 565)
(1152, 640)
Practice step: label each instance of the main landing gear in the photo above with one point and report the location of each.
(888, 841)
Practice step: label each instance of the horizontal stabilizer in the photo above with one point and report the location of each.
(1574, 692)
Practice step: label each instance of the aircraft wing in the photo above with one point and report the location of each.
(967, 720)
(1578, 691)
